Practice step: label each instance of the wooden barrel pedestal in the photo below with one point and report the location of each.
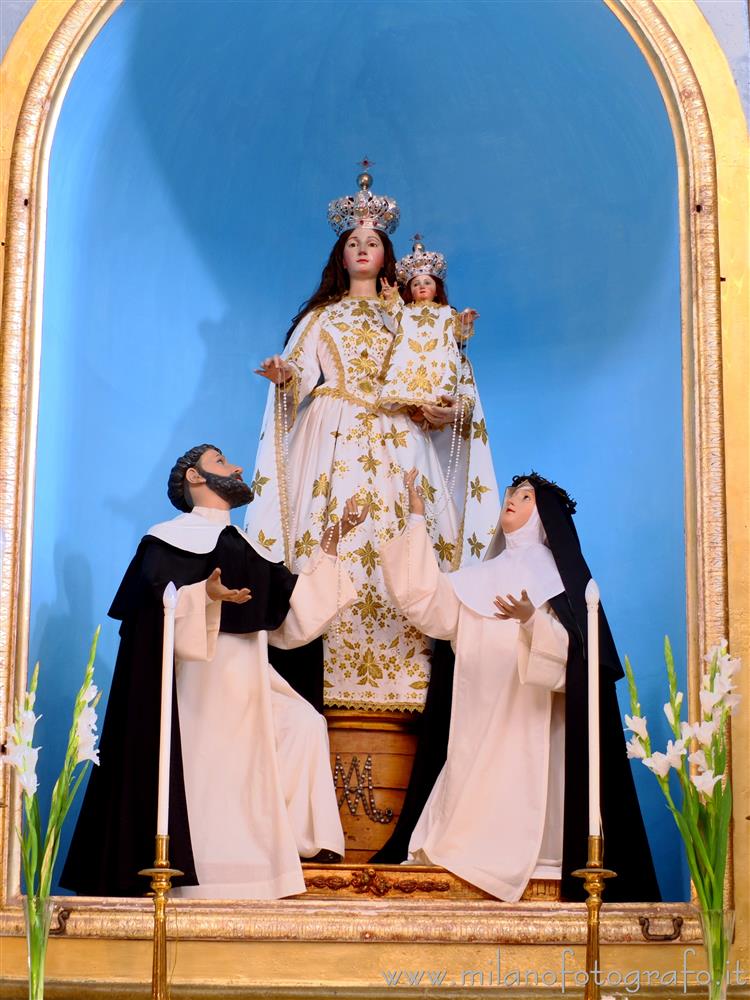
(371, 757)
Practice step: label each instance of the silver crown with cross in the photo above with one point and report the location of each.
(421, 261)
(365, 209)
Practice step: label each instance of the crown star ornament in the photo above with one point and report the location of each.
(421, 261)
(364, 209)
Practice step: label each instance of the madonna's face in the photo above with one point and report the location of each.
(423, 288)
(364, 254)
(518, 508)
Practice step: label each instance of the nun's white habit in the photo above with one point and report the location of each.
(495, 814)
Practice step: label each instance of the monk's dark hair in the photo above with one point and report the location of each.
(178, 489)
(441, 292)
(334, 281)
(538, 481)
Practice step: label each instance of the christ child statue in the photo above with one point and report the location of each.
(424, 366)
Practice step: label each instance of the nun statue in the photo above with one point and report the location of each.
(511, 800)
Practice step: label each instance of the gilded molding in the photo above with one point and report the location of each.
(366, 919)
(348, 920)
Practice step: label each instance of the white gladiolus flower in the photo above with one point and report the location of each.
(90, 693)
(675, 753)
(698, 757)
(28, 781)
(87, 734)
(669, 711)
(709, 699)
(723, 683)
(637, 725)
(87, 750)
(25, 725)
(635, 749)
(705, 782)
(659, 763)
(687, 730)
(704, 732)
(23, 757)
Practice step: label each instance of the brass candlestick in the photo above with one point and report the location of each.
(161, 876)
(593, 875)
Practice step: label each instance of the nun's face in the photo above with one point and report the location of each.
(518, 508)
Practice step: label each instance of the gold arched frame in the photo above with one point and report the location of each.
(300, 941)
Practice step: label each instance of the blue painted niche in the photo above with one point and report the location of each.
(195, 154)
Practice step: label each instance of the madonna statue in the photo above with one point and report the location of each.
(326, 437)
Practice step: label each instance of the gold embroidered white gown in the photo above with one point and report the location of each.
(341, 443)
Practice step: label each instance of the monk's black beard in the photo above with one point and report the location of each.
(234, 490)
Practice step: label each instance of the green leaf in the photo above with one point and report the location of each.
(635, 708)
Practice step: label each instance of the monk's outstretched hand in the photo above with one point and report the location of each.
(351, 518)
(520, 609)
(216, 591)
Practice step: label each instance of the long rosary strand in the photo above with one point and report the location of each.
(282, 419)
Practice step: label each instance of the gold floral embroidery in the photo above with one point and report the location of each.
(304, 545)
(321, 486)
(426, 317)
(267, 543)
(397, 437)
(480, 430)
(428, 489)
(369, 606)
(259, 482)
(477, 489)
(400, 516)
(475, 545)
(368, 557)
(444, 549)
(369, 462)
(368, 670)
(329, 514)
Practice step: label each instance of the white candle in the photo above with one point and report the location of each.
(592, 607)
(165, 730)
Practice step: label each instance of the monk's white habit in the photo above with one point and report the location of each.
(255, 754)
(495, 814)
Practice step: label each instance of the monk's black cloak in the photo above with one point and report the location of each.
(114, 837)
(626, 848)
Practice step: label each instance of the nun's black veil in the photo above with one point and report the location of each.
(626, 848)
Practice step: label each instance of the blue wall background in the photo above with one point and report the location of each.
(196, 151)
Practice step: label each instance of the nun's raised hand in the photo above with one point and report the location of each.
(353, 515)
(416, 503)
(275, 369)
(520, 609)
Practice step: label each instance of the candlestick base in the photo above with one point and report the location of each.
(594, 876)
(161, 876)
